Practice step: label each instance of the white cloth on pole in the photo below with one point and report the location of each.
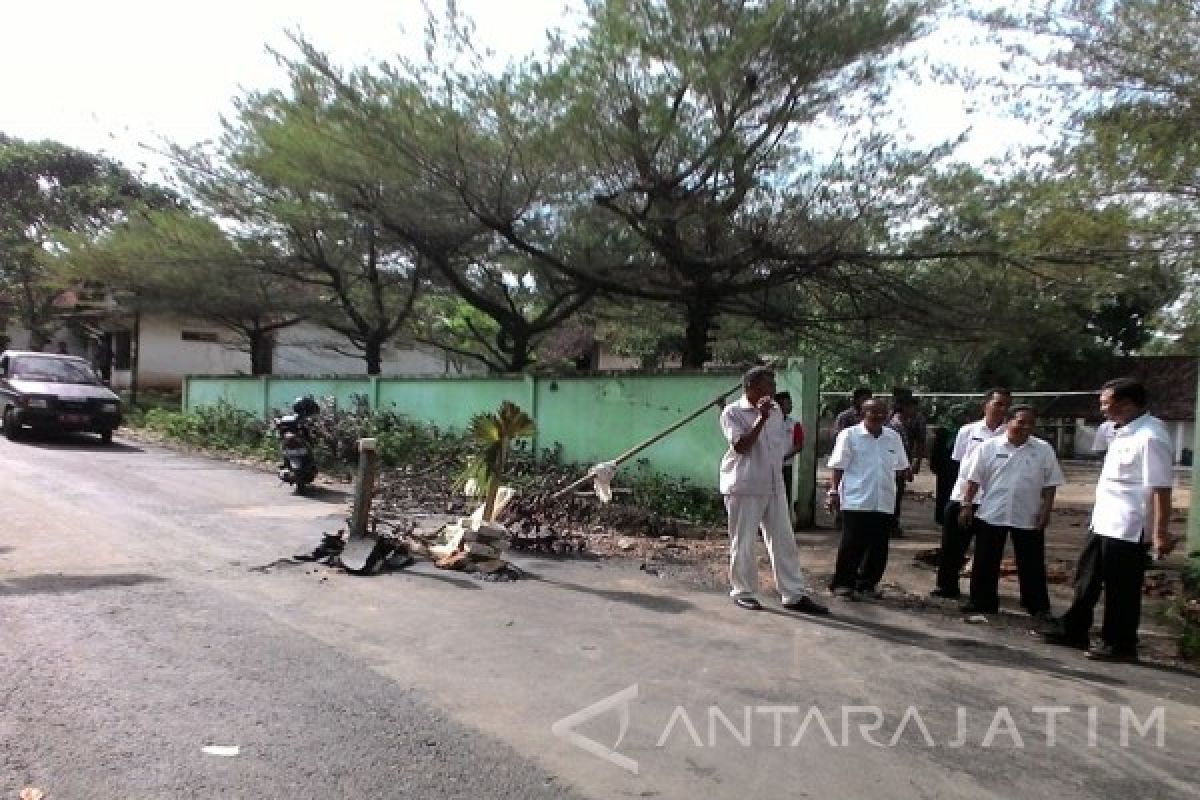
(602, 475)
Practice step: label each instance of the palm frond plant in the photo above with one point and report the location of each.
(492, 436)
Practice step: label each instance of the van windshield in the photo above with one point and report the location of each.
(52, 370)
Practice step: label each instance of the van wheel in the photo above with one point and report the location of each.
(106, 437)
(12, 429)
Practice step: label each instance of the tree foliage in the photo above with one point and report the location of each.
(362, 282)
(706, 179)
(670, 155)
(180, 262)
(52, 192)
(1129, 72)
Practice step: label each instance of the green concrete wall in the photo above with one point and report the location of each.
(589, 418)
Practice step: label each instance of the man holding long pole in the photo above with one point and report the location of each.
(752, 484)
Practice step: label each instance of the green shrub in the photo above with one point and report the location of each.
(675, 497)
(221, 427)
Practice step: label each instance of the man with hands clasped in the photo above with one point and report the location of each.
(1018, 475)
(867, 461)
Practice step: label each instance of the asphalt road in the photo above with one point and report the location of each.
(147, 616)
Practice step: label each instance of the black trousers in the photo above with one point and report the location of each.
(787, 483)
(1117, 568)
(863, 553)
(947, 476)
(956, 540)
(1029, 548)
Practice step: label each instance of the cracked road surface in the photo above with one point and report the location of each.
(147, 615)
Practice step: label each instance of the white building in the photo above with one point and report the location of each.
(163, 348)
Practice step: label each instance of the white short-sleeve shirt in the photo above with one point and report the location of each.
(1104, 434)
(1139, 460)
(1012, 479)
(759, 471)
(967, 442)
(869, 465)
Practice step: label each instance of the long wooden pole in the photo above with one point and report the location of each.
(633, 451)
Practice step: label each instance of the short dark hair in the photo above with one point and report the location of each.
(995, 390)
(1017, 409)
(1127, 389)
(862, 393)
(756, 374)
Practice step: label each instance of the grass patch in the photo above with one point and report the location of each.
(1184, 612)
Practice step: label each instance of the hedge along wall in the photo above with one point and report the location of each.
(590, 417)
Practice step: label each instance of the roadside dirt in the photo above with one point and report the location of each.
(910, 572)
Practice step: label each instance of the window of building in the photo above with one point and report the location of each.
(198, 336)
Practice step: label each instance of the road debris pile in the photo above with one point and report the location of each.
(379, 553)
(330, 548)
(537, 523)
(472, 546)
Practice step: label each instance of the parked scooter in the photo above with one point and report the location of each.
(299, 466)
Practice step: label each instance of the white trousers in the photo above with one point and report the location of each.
(749, 514)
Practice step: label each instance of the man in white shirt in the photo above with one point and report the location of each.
(866, 460)
(1016, 477)
(1133, 498)
(852, 415)
(1104, 434)
(752, 484)
(956, 540)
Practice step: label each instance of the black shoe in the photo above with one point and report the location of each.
(1062, 639)
(1106, 652)
(806, 605)
(948, 594)
(748, 603)
(971, 608)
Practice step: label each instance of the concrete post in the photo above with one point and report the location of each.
(531, 387)
(1193, 540)
(364, 484)
(806, 407)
